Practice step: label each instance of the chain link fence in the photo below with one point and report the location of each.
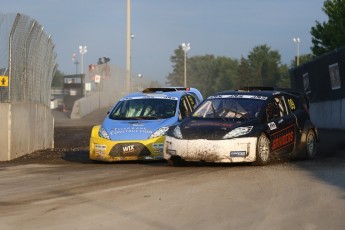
(27, 60)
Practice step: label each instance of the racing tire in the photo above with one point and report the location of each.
(176, 161)
(262, 150)
(310, 145)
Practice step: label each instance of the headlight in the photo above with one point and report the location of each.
(159, 132)
(240, 131)
(177, 132)
(103, 133)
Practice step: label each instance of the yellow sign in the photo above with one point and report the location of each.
(4, 81)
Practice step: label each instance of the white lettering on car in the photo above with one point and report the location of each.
(128, 149)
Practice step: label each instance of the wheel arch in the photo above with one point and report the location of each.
(300, 150)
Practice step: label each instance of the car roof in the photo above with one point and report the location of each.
(167, 91)
(264, 91)
(240, 92)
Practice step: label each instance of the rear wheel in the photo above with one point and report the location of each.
(310, 144)
(262, 150)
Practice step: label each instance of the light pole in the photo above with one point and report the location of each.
(76, 62)
(297, 41)
(82, 50)
(185, 48)
(128, 47)
(140, 76)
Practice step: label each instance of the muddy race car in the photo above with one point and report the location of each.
(135, 127)
(248, 125)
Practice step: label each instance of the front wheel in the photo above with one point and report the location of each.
(310, 144)
(262, 150)
(176, 161)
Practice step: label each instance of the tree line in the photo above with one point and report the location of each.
(210, 74)
(262, 66)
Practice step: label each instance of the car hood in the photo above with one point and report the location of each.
(211, 129)
(119, 130)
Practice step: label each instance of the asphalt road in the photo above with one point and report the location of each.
(61, 189)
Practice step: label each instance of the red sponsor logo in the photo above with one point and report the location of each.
(283, 139)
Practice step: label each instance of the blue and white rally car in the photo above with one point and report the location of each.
(135, 127)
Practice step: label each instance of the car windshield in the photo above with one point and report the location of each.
(144, 108)
(227, 107)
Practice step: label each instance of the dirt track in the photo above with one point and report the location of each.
(62, 189)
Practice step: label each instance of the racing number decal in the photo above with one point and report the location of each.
(291, 104)
(283, 138)
(272, 126)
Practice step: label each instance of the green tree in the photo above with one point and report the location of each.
(202, 73)
(284, 80)
(243, 77)
(226, 72)
(58, 79)
(176, 77)
(264, 66)
(211, 74)
(302, 59)
(329, 35)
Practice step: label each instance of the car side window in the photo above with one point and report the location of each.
(186, 106)
(192, 102)
(282, 106)
(276, 108)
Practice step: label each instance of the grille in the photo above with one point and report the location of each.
(129, 149)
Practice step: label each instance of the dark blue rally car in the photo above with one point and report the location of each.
(253, 124)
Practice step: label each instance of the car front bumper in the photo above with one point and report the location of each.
(107, 150)
(231, 150)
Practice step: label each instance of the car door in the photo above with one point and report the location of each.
(282, 127)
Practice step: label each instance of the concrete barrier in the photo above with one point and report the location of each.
(25, 128)
(93, 102)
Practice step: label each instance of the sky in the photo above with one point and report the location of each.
(230, 28)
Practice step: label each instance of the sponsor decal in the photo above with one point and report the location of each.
(99, 152)
(272, 126)
(291, 104)
(100, 149)
(210, 124)
(238, 154)
(283, 138)
(239, 96)
(136, 124)
(158, 145)
(134, 129)
(128, 149)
